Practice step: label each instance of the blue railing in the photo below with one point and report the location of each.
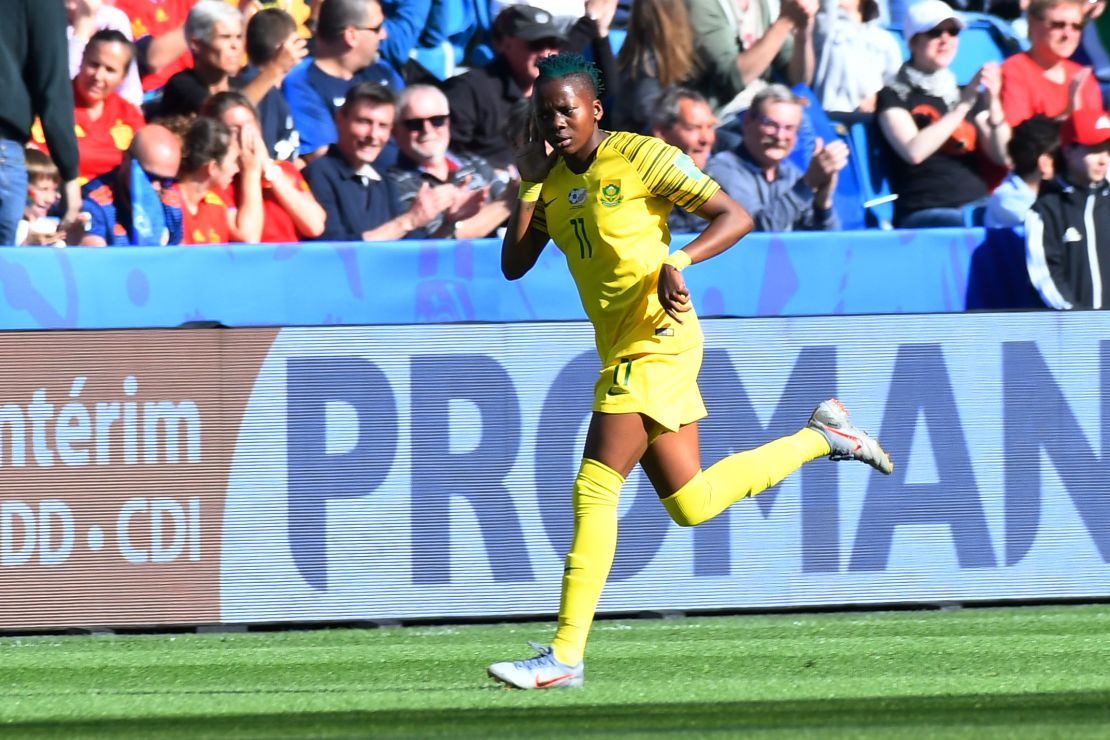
(866, 272)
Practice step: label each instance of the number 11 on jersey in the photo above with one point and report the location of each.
(584, 247)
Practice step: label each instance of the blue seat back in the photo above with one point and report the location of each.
(868, 156)
(816, 124)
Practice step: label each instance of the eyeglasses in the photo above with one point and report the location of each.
(936, 33)
(775, 127)
(417, 124)
(160, 181)
(372, 29)
(1061, 25)
(541, 44)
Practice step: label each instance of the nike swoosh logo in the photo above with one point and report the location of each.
(547, 203)
(837, 432)
(552, 681)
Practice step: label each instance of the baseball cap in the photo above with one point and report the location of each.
(527, 23)
(1086, 126)
(925, 15)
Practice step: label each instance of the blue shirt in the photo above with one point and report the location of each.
(275, 118)
(99, 201)
(1009, 204)
(786, 204)
(314, 96)
(353, 203)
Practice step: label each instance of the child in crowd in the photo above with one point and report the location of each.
(43, 183)
(1032, 150)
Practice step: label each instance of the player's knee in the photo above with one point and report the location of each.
(688, 506)
(684, 519)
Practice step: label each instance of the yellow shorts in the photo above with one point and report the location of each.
(661, 387)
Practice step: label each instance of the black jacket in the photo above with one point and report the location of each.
(1067, 245)
(34, 78)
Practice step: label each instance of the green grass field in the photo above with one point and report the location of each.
(984, 673)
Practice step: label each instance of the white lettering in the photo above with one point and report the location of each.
(40, 412)
(171, 430)
(9, 512)
(57, 510)
(123, 530)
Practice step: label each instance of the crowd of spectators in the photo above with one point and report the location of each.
(154, 122)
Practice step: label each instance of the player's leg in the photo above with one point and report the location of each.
(692, 496)
(614, 443)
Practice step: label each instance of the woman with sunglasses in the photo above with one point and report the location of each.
(1044, 80)
(946, 140)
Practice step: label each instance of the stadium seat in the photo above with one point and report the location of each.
(438, 60)
(816, 123)
(867, 159)
(458, 26)
(616, 39)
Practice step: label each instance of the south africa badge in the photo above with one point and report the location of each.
(610, 193)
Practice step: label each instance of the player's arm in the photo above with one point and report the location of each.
(523, 242)
(728, 223)
(526, 234)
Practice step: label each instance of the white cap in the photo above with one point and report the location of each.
(925, 15)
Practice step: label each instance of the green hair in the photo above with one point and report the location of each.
(570, 65)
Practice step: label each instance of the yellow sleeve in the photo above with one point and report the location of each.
(666, 172)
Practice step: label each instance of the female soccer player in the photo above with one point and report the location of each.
(604, 198)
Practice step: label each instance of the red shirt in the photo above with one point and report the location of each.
(1026, 92)
(208, 225)
(277, 224)
(101, 143)
(154, 18)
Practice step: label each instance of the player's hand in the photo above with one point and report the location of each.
(534, 158)
(673, 296)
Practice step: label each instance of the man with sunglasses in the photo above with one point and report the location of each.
(481, 98)
(423, 135)
(1044, 80)
(360, 202)
(345, 53)
(114, 199)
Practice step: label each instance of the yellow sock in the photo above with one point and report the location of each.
(741, 475)
(596, 492)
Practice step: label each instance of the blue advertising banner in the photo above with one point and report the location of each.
(313, 284)
(424, 471)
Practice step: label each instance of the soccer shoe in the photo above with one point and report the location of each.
(846, 442)
(541, 672)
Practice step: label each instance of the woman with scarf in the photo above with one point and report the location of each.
(948, 141)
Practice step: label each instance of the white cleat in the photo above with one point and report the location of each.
(847, 442)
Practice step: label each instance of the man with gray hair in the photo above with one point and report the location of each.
(214, 33)
(683, 118)
(422, 131)
(780, 196)
(348, 35)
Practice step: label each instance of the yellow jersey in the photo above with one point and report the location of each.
(611, 223)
